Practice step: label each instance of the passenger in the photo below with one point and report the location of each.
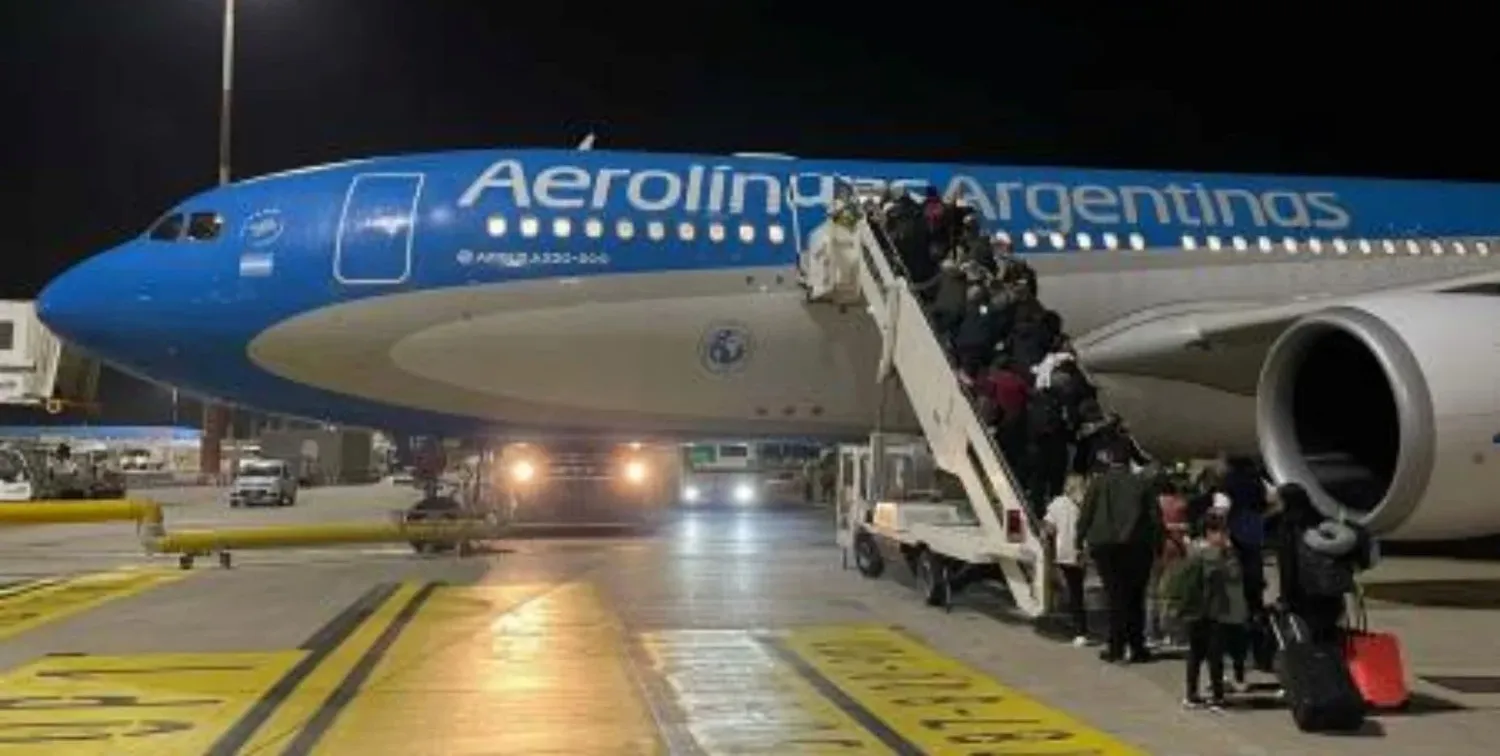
(1007, 388)
(1045, 369)
(1121, 522)
(935, 217)
(1048, 446)
(1019, 272)
(1087, 443)
(1174, 548)
(1247, 511)
(1211, 602)
(1028, 336)
(909, 235)
(1211, 477)
(949, 302)
(1062, 522)
(1073, 388)
(974, 341)
(1321, 611)
(976, 246)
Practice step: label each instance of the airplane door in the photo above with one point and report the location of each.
(377, 229)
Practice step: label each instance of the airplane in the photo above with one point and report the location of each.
(1337, 326)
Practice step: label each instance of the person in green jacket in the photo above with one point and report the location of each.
(1208, 594)
(1120, 521)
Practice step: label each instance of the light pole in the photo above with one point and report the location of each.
(214, 414)
(226, 92)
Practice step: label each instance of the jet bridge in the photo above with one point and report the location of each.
(847, 261)
(36, 369)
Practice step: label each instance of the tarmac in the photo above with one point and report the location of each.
(724, 631)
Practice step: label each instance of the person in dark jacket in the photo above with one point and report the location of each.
(1298, 516)
(1121, 523)
(974, 342)
(1047, 429)
(1247, 523)
(949, 302)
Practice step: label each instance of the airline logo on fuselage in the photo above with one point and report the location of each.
(720, 190)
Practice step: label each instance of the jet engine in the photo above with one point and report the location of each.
(1388, 411)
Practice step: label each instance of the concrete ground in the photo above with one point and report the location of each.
(722, 632)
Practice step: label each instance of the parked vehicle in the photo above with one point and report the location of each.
(264, 481)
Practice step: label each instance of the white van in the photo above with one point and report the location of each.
(263, 481)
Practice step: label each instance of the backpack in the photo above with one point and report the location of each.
(1046, 417)
(1184, 588)
(1323, 574)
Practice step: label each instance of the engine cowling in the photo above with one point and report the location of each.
(1388, 409)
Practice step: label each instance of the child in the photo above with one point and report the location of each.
(1062, 522)
(1208, 594)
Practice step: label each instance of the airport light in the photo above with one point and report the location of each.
(744, 493)
(635, 471)
(523, 471)
(691, 494)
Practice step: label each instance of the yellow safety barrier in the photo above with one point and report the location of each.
(280, 536)
(140, 511)
(194, 543)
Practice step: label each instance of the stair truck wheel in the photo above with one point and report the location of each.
(867, 557)
(932, 579)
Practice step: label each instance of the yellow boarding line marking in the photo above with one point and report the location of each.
(23, 610)
(482, 669)
(937, 704)
(299, 708)
(151, 704)
(26, 586)
(736, 697)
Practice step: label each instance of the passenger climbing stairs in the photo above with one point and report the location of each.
(847, 261)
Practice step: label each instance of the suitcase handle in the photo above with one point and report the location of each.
(1358, 615)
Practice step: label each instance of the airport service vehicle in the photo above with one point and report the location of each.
(271, 482)
(722, 473)
(585, 482)
(27, 473)
(1330, 324)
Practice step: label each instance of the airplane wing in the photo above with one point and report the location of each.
(1223, 344)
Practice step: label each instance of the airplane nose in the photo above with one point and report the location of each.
(67, 305)
(86, 304)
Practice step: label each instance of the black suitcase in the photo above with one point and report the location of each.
(1319, 689)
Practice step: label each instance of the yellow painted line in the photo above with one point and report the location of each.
(21, 611)
(735, 696)
(500, 669)
(937, 704)
(298, 709)
(153, 704)
(26, 586)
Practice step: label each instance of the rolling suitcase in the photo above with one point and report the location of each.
(1319, 689)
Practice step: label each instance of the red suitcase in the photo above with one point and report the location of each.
(1375, 663)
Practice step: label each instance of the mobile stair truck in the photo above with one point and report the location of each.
(989, 533)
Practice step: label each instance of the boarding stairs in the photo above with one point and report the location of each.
(848, 261)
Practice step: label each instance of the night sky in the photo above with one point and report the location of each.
(111, 105)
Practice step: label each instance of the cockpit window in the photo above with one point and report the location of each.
(167, 229)
(204, 226)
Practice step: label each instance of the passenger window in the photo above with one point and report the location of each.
(204, 226)
(7, 335)
(167, 229)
